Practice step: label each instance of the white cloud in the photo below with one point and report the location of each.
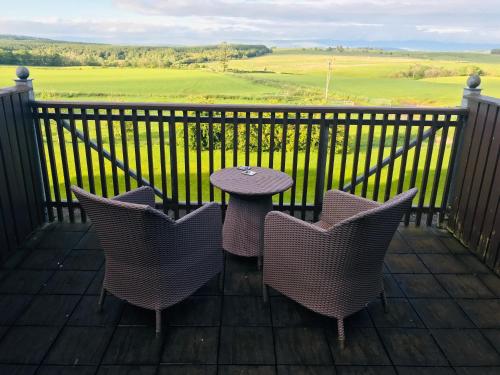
(212, 21)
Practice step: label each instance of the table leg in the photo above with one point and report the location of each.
(243, 231)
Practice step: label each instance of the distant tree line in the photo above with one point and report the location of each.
(419, 71)
(43, 52)
(495, 51)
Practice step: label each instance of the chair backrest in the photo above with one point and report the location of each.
(362, 241)
(134, 238)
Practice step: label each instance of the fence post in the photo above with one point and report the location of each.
(23, 80)
(472, 89)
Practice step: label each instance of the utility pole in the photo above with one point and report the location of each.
(328, 78)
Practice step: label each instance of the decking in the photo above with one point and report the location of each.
(443, 318)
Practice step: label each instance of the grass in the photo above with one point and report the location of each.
(286, 76)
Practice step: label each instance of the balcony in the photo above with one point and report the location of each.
(444, 297)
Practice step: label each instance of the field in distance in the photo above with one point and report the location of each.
(285, 76)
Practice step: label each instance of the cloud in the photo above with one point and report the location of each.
(269, 21)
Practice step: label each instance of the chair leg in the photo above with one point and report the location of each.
(100, 302)
(341, 333)
(384, 300)
(221, 281)
(158, 322)
(265, 296)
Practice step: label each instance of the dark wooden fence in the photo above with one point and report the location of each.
(374, 152)
(21, 200)
(475, 215)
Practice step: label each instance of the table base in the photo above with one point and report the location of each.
(243, 231)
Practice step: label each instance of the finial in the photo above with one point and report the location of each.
(22, 72)
(473, 81)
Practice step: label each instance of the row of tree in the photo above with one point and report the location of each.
(42, 52)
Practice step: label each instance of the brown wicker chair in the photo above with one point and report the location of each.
(152, 261)
(334, 266)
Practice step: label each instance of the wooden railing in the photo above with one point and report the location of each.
(375, 152)
(475, 213)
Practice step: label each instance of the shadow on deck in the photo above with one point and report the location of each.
(444, 315)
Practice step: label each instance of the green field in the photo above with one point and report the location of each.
(294, 77)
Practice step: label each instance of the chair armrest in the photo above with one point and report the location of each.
(143, 195)
(339, 205)
(290, 236)
(199, 233)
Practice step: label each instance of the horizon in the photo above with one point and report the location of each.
(450, 25)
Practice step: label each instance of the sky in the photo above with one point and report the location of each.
(272, 22)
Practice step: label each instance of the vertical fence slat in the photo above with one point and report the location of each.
(64, 161)
(390, 169)
(437, 173)
(123, 131)
(271, 139)
(283, 152)
(425, 173)
(404, 156)
(163, 161)
(333, 150)
(345, 147)
(149, 147)
(357, 145)
(416, 160)
(380, 155)
(306, 166)
(112, 151)
(369, 147)
(321, 165)
(198, 159)
(211, 147)
(185, 125)
(295, 162)
(100, 153)
(259, 139)
(172, 140)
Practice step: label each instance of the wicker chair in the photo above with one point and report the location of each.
(152, 261)
(334, 266)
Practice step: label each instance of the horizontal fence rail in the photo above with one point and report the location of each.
(375, 152)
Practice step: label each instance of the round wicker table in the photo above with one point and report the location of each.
(250, 201)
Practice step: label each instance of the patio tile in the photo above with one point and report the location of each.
(47, 310)
(477, 370)
(464, 286)
(412, 347)
(3, 330)
(484, 313)
(133, 345)
(84, 260)
(88, 241)
(493, 335)
(26, 345)
(391, 287)
(404, 263)
(44, 259)
(358, 319)
(62, 240)
(243, 282)
(473, 264)
(195, 311)
(24, 282)
(287, 313)
(137, 316)
(96, 284)
(492, 281)
(427, 245)
(245, 311)
(68, 282)
(365, 370)
(466, 347)
(17, 369)
(426, 370)
(12, 306)
(301, 345)
(454, 245)
(443, 263)
(362, 347)
(399, 313)
(127, 370)
(58, 226)
(187, 370)
(247, 370)
(246, 345)
(86, 313)
(195, 345)
(398, 245)
(79, 345)
(420, 286)
(66, 370)
(441, 313)
(306, 370)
